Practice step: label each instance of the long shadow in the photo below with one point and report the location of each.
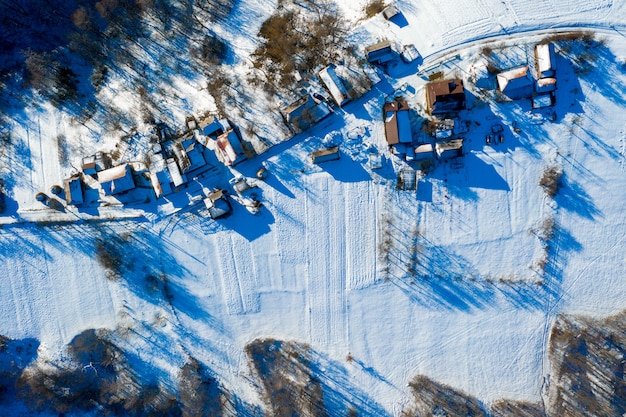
(573, 198)
(345, 169)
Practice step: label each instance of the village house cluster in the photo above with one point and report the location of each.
(176, 159)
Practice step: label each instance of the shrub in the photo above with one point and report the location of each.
(551, 180)
(373, 7)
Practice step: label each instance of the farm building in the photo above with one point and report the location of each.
(445, 96)
(116, 180)
(94, 163)
(228, 148)
(325, 155)
(543, 100)
(516, 83)
(73, 190)
(397, 122)
(545, 59)
(390, 12)
(217, 204)
(545, 85)
(334, 85)
(449, 149)
(305, 112)
(173, 170)
(424, 153)
(216, 128)
(380, 53)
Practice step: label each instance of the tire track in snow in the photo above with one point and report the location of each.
(326, 279)
(233, 295)
(360, 223)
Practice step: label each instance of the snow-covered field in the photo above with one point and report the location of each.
(310, 267)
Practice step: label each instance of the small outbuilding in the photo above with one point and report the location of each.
(116, 180)
(325, 155)
(445, 97)
(305, 112)
(334, 85)
(545, 59)
(397, 122)
(217, 204)
(516, 83)
(228, 148)
(73, 190)
(449, 149)
(545, 85)
(424, 153)
(380, 53)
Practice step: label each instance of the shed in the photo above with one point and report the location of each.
(73, 190)
(545, 85)
(424, 152)
(228, 148)
(543, 100)
(334, 85)
(218, 205)
(516, 83)
(545, 59)
(94, 163)
(380, 53)
(325, 155)
(390, 11)
(445, 96)
(160, 183)
(397, 122)
(176, 176)
(116, 180)
(305, 112)
(449, 149)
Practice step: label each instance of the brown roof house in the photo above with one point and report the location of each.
(397, 122)
(443, 97)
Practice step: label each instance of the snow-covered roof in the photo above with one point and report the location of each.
(516, 83)
(116, 180)
(335, 85)
(546, 60)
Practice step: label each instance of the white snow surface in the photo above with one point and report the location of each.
(309, 266)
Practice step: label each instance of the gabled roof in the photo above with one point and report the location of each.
(335, 85)
(516, 83)
(305, 112)
(116, 180)
(397, 123)
(445, 96)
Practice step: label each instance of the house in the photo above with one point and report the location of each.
(73, 190)
(545, 59)
(449, 149)
(397, 122)
(305, 112)
(325, 155)
(516, 83)
(217, 204)
(380, 53)
(116, 180)
(228, 148)
(446, 96)
(334, 85)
